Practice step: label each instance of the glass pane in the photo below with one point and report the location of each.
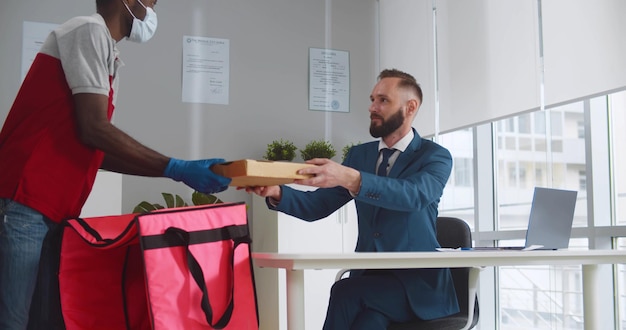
(556, 123)
(541, 297)
(528, 163)
(525, 144)
(510, 143)
(517, 166)
(621, 286)
(540, 123)
(569, 156)
(458, 196)
(540, 145)
(618, 136)
(524, 124)
(617, 110)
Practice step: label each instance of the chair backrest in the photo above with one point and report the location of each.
(456, 233)
(453, 233)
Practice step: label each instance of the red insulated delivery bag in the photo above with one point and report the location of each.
(183, 268)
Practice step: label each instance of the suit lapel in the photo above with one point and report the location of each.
(372, 157)
(405, 158)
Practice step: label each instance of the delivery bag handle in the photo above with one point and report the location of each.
(181, 237)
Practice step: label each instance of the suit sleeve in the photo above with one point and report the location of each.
(311, 205)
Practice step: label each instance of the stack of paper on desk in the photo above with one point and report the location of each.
(248, 172)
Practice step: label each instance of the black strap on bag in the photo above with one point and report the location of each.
(45, 310)
(179, 237)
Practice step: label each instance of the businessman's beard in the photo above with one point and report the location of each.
(387, 126)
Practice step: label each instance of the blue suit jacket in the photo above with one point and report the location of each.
(395, 213)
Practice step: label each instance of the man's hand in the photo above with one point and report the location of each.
(269, 191)
(197, 175)
(329, 174)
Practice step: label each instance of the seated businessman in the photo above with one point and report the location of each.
(396, 183)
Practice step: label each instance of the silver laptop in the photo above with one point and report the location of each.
(550, 222)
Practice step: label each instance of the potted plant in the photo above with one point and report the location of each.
(318, 149)
(197, 198)
(280, 150)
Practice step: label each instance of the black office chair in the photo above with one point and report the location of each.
(451, 233)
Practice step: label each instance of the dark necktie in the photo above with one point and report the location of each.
(382, 168)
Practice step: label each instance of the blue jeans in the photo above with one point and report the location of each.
(22, 231)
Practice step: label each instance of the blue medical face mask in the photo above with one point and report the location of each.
(142, 31)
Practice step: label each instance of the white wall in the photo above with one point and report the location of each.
(269, 44)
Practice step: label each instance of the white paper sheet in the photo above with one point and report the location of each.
(206, 70)
(329, 80)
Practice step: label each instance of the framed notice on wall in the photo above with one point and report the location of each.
(206, 70)
(329, 80)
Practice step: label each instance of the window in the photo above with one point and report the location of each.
(617, 107)
(581, 129)
(525, 156)
(540, 145)
(522, 174)
(556, 122)
(525, 144)
(540, 123)
(512, 171)
(458, 195)
(524, 124)
(510, 143)
(582, 180)
(621, 284)
(463, 172)
(539, 176)
(510, 125)
(541, 297)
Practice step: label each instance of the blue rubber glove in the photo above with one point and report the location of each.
(197, 175)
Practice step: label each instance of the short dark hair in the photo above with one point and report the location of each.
(406, 80)
(101, 2)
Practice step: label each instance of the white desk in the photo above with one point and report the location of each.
(297, 263)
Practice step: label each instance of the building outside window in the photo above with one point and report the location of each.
(458, 196)
(582, 180)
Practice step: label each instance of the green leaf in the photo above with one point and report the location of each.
(180, 202)
(158, 206)
(169, 199)
(199, 198)
(144, 207)
(172, 200)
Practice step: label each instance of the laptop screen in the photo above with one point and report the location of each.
(551, 217)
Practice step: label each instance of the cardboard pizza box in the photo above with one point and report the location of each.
(248, 172)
